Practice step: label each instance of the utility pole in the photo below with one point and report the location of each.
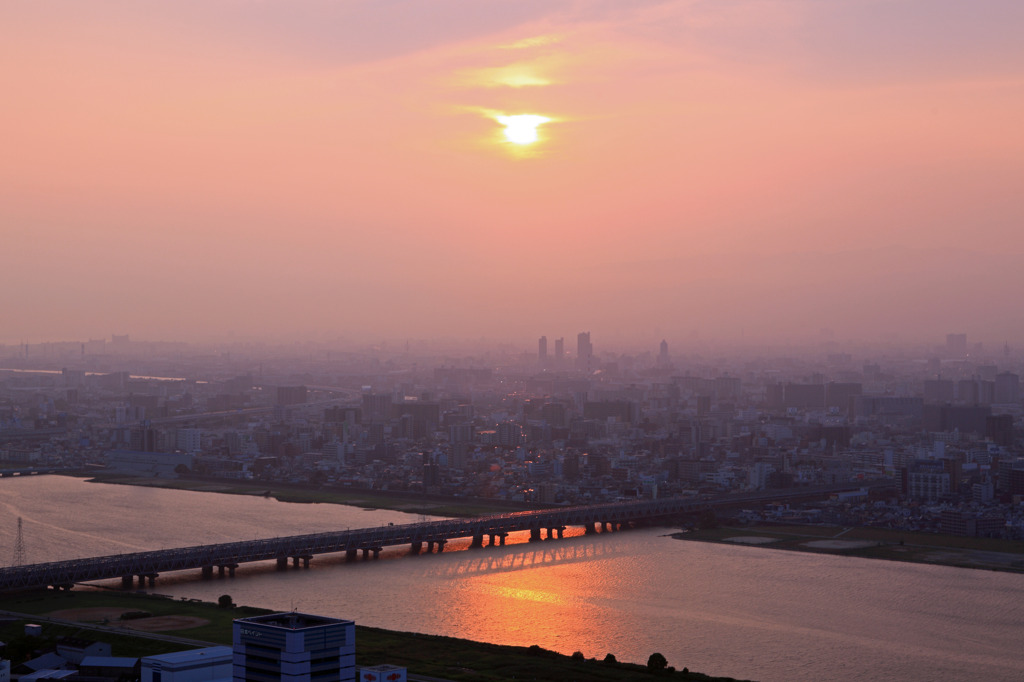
(19, 547)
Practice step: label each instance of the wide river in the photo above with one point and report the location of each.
(746, 612)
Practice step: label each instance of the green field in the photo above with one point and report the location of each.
(879, 543)
(443, 657)
(411, 504)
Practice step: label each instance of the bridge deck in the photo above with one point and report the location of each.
(231, 554)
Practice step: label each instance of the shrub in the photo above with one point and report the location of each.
(657, 662)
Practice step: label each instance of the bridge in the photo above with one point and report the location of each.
(429, 535)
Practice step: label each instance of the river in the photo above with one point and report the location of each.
(745, 612)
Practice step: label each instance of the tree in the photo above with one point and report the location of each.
(708, 519)
(610, 659)
(224, 601)
(657, 662)
(578, 656)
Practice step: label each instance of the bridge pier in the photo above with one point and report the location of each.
(282, 563)
(478, 541)
(611, 517)
(440, 545)
(416, 548)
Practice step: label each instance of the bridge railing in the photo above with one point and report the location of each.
(232, 553)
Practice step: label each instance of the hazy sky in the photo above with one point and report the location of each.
(185, 169)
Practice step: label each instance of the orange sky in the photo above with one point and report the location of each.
(182, 170)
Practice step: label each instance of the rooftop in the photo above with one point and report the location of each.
(212, 652)
(292, 620)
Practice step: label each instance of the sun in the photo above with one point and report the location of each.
(522, 128)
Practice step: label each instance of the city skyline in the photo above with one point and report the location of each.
(754, 171)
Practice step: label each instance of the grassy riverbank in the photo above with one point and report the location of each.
(443, 657)
(875, 543)
(412, 503)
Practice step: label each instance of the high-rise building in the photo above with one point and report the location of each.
(188, 440)
(542, 350)
(584, 349)
(663, 359)
(376, 407)
(956, 343)
(1007, 388)
(559, 349)
(293, 647)
(584, 352)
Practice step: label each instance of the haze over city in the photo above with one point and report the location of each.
(755, 170)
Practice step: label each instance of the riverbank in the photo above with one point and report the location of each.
(411, 503)
(203, 622)
(874, 543)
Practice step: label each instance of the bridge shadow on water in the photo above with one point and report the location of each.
(457, 560)
(524, 556)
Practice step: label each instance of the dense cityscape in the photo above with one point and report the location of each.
(538, 340)
(567, 426)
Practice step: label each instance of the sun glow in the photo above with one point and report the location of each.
(521, 129)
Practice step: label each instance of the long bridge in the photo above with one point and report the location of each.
(300, 549)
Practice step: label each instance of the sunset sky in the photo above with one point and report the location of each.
(188, 169)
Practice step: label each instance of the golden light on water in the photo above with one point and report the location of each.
(522, 128)
(517, 593)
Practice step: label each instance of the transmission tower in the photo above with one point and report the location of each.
(19, 547)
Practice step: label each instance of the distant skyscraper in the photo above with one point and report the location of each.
(559, 349)
(584, 352)
(663, 360)
(542, 350)
(584, 349)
